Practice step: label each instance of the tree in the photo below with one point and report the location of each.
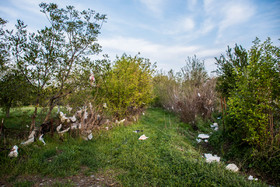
(50, 56)
(128, 85)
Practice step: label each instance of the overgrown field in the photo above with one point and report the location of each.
(169, 157)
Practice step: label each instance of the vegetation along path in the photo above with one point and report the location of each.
(117, 158)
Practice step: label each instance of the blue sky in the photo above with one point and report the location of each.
(167, 31)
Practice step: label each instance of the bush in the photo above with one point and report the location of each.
(127, 88)
(253, 105)
(190, 93)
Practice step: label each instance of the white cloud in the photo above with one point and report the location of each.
(167, 56)
(236, 13)
(192, 4)
(156, 6)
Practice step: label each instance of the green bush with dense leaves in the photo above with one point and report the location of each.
(127, 87)
(253, 106)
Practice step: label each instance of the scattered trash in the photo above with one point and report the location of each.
(198, 140)
(27, 126)
(105, 105)
(68, 108)
(32, 134)
(74, 125)
(64, 131)
(206, 141)
(58, 127)
(232, 167)
(14, 152)
(63, 118)
(90, 136)
(29, 141)
(203, 136)
(85, 115)
(143, 137)
(107, 128)
(41, 139)
(198, 94)
(252, 178)
(143, 114)
(137, 131)
(219, 117)
(119, 122)
(215, 126)
(211, 158)
(73, 119)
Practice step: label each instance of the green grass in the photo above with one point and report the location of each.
(167, 158)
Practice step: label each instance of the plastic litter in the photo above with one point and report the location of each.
(211, 158)
(41, 139)
(137, 131)
(143, 137)
(198, 94)
(105, 105)
(90, 136)
(14, 152)
(215, 126)
(58, 127)
(73, 119)
(119, 122)
(107, 128)
(29, 141)
(203, 136)
(252, 178)
(232, 167)
(198, 140)
(64, 131)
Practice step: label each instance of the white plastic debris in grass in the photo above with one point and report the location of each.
(198, 140)
(211, 158)
(73, 119)
(32, 134)
(90, 136)
(29, 141)
(143, 137)
(14, 152)
(63, 118)
(215, 126)
(203, 136)
(107, 128)
(252, 178)
(58, 127)
(198, 94)
(105, 105)
(74, 125)
(68, 108)
(64, 131)
(42, 140)
(232, 167)
(119, 122)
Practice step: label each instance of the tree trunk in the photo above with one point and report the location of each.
(50, 110)
(8, 112)
(32, 126)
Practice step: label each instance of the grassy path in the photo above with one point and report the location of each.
(117, 158)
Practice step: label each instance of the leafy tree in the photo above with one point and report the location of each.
(228, 68)
(51, 56)
(128, 86)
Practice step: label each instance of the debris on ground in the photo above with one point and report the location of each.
(41, 139)
(143, 137)
(202, 137)
(211, 158)
(137, 131)
(90, 136)
(232, 167)
(29, 141)
(215, 126)
(250, 178)
(119, 122)
(107, 128)
(14, 152)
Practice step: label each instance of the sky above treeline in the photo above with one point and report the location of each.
(166, 31)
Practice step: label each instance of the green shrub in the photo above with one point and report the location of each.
(128, 85)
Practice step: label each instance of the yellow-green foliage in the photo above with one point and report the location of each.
(128, 85)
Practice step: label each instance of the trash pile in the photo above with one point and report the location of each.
(214, 158)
